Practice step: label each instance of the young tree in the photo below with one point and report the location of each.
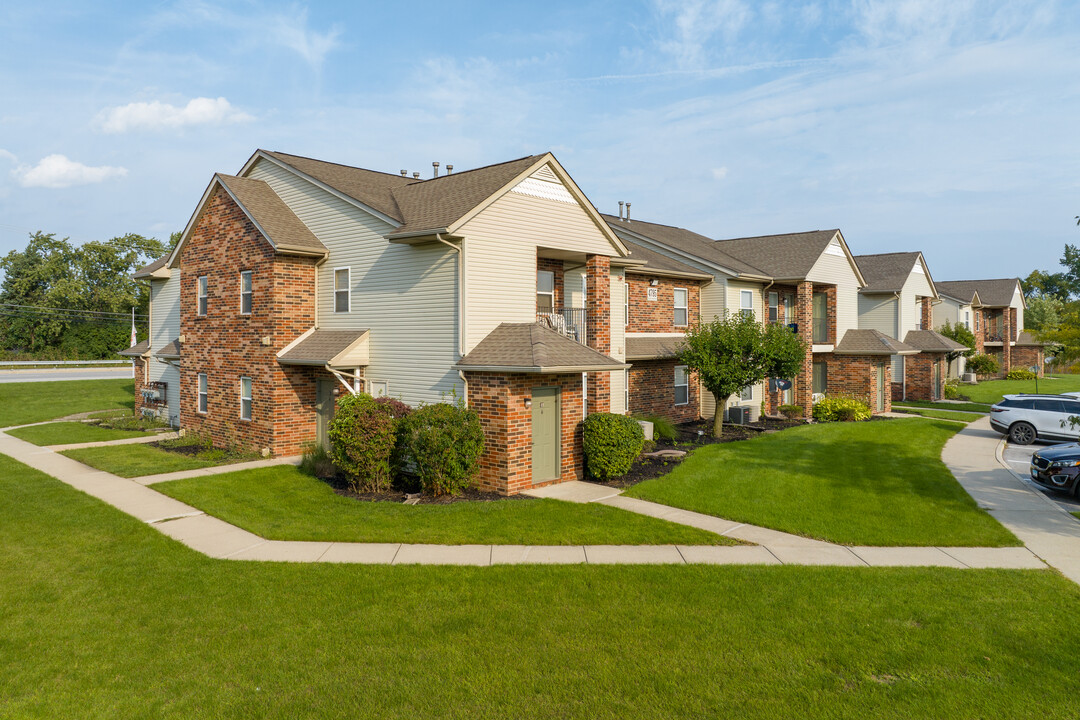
(961, 334)
(731, 353)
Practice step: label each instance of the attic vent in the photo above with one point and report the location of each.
(544, 183)
(834, 249)
(918, 268)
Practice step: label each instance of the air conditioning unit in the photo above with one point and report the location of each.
(970, 378)
(738, 415)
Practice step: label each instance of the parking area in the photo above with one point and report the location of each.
(1018, 458)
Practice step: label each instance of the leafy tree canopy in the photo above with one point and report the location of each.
(961, 334)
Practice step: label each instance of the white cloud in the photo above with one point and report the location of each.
(5, 155)
(57, 171)
(694, 25)
(719, 173)
(163, 116)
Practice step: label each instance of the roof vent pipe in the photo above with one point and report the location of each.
(449, 169)
(416, 175)
(627, 212)
(404, 173)
(435, 168)
(620, 209)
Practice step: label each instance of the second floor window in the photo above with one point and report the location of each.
(821, 318)
(682, 310)
(245, 292)
(203, 293)
(545, 291)
(341, 290)
(746, 303)
(774, 307)
(967, 319)
(789, 310)
(626, 304)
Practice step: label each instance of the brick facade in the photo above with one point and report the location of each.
(926, 313)
(652, 391)
(1028, 356)
(658, 316)
(226, 345)
(856, 376)
(598, 318)
(140, 383)
(919, 376)
(499, 399)
(804, 316)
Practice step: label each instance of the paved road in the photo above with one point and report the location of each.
(45, 375)
(1018, 458)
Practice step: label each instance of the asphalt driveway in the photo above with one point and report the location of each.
(1018, 458)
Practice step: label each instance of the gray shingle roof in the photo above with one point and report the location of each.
(992, 293)
(531, 348)
(270, 212)
(657, 264)
(1026, 338)
(784, 257)
(651, 348)
(372, 188)
(886, 272)
(172, 350)
(932, 341)
(137, 350)
(320, 347)
(687, 241)
(871, 342)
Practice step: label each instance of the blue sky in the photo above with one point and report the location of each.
(947, 127)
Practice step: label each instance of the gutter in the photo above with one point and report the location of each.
(462, 336)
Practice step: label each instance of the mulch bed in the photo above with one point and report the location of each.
(341, 487)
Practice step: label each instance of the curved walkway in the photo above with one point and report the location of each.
(974, 457)
(219, 539)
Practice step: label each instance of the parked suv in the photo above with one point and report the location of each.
(1057, 467)
(1027, 418)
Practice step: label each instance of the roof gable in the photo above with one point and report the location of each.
(686, 243)
(891, 272)
(790, 256)
(991, 293)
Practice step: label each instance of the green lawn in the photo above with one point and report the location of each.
(65, 433)
(137, 460)
(991, 391)
(103, 617)
(962, 407)
(22, 403)
(282, 503)
(939, 414)
(868, 483)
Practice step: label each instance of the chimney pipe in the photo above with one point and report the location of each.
(435, 167)
(416, 175)
(627, 212)
(449, 169)
(620, 209)
(404, 173)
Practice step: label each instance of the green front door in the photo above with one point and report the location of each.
(324, 411)
(880, 395)
(545, 434)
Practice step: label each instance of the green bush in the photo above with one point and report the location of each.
(361, 441)
(840, 408)
(397, 408)
(663, 429)
(441, 444)
(791, 412)
(1020, 374)
(952, 389)
(316, 462)
(982, 365)
(612, 443)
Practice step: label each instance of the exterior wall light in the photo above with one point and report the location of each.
(528, 402)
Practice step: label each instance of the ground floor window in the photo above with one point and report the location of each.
(821, 377)
(202, 390)
(245, 398)
(682, 387)
(747, 393)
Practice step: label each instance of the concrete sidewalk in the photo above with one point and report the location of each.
(974, 457)
(218, 539)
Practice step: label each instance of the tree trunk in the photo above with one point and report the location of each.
(718, 415)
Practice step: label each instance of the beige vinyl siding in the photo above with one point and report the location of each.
(915, 287)
(1018, 303)
(949, 310)
(713, 305)
(837, 270)
(407, 296)
(734, 298)
(878, 312)
(501, 244)
(164, 328)
(618, 343)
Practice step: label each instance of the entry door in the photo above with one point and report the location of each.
(937, 381)
(880, 395)
(324, 410)
(545, 434)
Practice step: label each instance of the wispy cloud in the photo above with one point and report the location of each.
(57, 171)
(694, 24)
(5, 155)
(163, 116)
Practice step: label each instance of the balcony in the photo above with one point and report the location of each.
(569, 322)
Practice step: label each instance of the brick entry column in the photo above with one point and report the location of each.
(598, 320)
(804, 316)
(1006, 340)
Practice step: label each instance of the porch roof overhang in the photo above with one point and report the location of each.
(328, 348)
(170, 351)
(932, 342)
(871, 342)
(139, 349)
(532, 348)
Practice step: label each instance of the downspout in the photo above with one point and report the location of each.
(459, 249)
(903, 361)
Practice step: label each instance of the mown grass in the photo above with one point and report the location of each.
(22, 403)
(103, 617)
(961, 407)
(867, 483)
(939, 414)
(64, 433)
(282, 503)
(991, 391)
(138, 460)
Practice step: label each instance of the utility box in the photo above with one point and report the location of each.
(739, 415)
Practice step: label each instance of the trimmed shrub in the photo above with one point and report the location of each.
(397, 408)
(839, 408)
(1020, 374)
(982, 365)
(662, 428)
(441, 444)
(361, 441)
(791, 412)
(612, 443)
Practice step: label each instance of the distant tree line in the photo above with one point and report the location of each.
(60, 301)
(1053, 311)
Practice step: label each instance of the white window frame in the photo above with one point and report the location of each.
(347, 290)
(246, 294)
(246, 399)
(202, 294)
(774, 307)
(685, 307)
(967, 319)
(685, 384)
(977, 314)
(745, 309)
(202, 394)
(549, 293)
(626, 304)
